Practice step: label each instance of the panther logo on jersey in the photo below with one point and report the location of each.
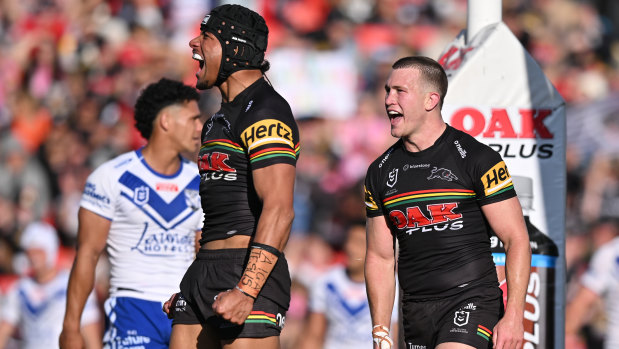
(442, 173)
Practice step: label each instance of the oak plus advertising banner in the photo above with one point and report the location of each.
(499, 94)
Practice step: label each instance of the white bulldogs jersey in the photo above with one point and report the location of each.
(345, 305)
(154, 219)
(37, 310)
(602, 277)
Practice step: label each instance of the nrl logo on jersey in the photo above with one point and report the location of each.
(140, 195)
(393, 178)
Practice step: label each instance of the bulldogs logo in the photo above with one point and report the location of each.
(442, 173)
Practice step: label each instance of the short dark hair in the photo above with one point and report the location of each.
(157, 96)
(431, 71)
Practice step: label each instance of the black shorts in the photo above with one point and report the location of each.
(467, 317)
(215, 271)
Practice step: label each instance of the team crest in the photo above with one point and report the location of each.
(442, 173)
(192, 198)
(393, 178)
(461, 318)
(140, 195)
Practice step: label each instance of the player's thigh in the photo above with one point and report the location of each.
(252, 343)
(193, 336)
(454, 345)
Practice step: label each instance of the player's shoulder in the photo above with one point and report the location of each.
(380, 162)
(266, 103)
(465, 144)
(119, 163)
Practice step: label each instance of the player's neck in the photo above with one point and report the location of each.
(161, 157)
(426, 135)
(237, 83)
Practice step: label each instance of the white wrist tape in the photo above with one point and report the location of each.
(380, 335)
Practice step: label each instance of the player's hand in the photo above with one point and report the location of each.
(233, 306)
(167, 306)
(508, 332)
(381, 338)
(71, 339)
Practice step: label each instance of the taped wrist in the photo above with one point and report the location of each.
(380, 335)
(262, 259)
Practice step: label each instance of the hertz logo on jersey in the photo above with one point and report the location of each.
(267, 131)
(496, 179)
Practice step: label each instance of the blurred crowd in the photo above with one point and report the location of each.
(70, 71)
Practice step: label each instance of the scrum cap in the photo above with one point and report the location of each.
(243, 35)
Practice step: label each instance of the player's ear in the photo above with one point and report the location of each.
(163, 119)
(432, 100)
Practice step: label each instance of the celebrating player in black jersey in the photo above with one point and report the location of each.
(237, 291)
(438, 191)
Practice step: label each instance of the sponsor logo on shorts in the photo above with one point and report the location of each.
(496, 178)
(442, 173)
(415, 346)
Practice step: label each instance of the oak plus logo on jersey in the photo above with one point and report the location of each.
(442, 173)
(267, 131)
(496, 178)
(214, 166)
(440, 217)
(393, 178)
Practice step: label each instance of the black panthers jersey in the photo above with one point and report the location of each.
(255, 130)
(432, 202)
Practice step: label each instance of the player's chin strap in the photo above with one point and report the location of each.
(262, 259)
(380, 335)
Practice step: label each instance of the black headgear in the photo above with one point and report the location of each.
(243, 35)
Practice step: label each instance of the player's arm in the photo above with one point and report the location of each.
(577, 313)
(505, 218)
(6, 331)
(313, 335)
(380, 271)
(275, 187)
(91, 239)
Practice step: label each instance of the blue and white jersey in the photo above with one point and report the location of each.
(37, 310)
(154, 219)
(602, 277)
(345, 305)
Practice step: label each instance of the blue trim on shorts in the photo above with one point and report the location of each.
(132, 323)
